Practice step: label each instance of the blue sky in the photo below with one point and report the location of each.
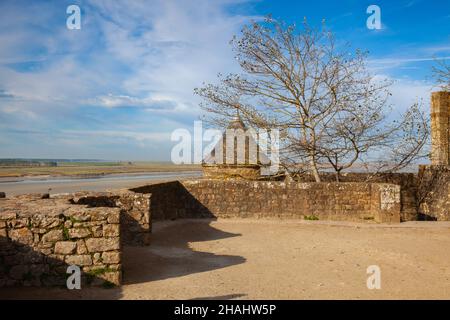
(118, 87)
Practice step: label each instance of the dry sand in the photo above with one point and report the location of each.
(255, 259)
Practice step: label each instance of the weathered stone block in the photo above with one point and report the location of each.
(111, 257)
(8, 215)
(81, 247)
(65, 247)
(81, 217)
(39, 230)
(102, 244)
(53, 236)
(19, 223)
(97, 231)
(78, 233)
(111, 230)
(50, 222)
(22, 235)
(79, 260)
(100, 214)
(114, 217)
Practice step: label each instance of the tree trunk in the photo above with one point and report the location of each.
(314, 169)
(338, 176)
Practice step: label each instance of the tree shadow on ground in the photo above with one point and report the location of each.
(170, 255)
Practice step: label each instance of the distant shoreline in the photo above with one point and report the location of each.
(70, 184)
(12, 179)
(90, 170)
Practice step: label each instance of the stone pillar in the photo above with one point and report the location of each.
(440, 105)
(385, 202)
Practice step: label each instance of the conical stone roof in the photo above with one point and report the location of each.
(236, 123)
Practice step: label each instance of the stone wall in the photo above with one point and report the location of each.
(263, 199)
(135, 220)
(434, 192)
(407, 181)
(40, 238)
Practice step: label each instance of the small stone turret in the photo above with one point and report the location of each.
(241, 163)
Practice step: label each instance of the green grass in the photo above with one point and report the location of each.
(91, 275)
(100, 271)
(312, 217)
(74, 220)
(65, 233)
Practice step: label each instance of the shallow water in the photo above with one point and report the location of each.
(15, 186)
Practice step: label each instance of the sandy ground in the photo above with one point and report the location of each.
(254, 259)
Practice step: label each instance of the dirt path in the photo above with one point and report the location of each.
(250, 259)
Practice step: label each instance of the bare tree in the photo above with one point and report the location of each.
(441, 72)
(329, 109)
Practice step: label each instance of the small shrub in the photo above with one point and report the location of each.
(74, 220)
(100, 271)
(65, 233)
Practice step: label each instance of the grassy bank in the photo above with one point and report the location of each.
(95, 168)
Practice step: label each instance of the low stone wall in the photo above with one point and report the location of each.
(258, 199)
(135, 220)
(407, 181)
(40, 238)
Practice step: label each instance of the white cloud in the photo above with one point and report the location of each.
(180, 44)
(395, 62)
(140, 54)
(406, 92)
(148, 55)
(137, 49)
(113, 101)
(138, 136)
